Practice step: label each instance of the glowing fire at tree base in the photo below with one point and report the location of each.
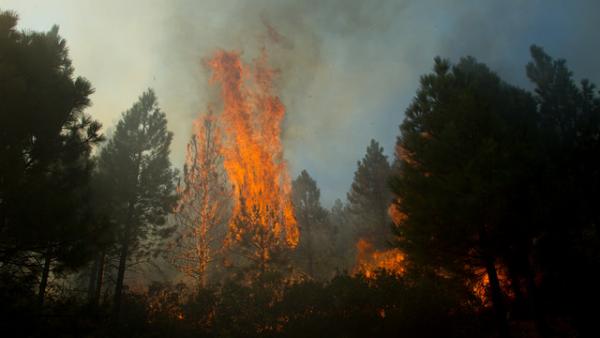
(369, 260)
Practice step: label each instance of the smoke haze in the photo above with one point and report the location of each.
(348, 68)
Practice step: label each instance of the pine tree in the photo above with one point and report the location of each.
(563, 218)
(103, 217)
(344, 241)
(370, 196)
(201, 213)
(135, 164)
(311, 217)
(46, 141)
(463, 151)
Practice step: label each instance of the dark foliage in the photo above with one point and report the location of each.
(46, 139)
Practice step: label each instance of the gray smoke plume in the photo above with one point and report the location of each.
(349, 68)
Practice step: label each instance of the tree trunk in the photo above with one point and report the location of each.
(120, 278)
(309, 247)
(92, 281)
(44, 280)
(311, 265)
(497, 298)
(96, 276)
(99, 278)
(536, 309)
(123, 261)
(515, 285)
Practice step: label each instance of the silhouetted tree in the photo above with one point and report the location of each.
(344, 241)
(565, 217)
(459, 154)
(135, 165)
(104, 242)
(46, 140)
(369, 196)
(315, 238)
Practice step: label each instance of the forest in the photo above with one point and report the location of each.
(484, 223)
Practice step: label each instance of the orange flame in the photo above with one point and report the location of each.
(480, 287)
(396, 215)
(369, 260)
(253, 153)
(203, 197)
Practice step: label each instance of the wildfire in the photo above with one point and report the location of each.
(397, 216)
(201, 159)
(369, 260)
(253, 154)
(480, 287)
(202, 207)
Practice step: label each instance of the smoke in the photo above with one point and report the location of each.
(349, 68)
(500, 33)
(327, 52)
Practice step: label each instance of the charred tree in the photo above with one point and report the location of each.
(201, 213)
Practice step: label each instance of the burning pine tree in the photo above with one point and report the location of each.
(262, 223)
(202, 210)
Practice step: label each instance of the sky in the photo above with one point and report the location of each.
(349, 68)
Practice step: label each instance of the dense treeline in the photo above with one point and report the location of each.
(491, 200)
(498, 180)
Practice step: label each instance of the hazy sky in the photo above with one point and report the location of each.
(349, 67)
